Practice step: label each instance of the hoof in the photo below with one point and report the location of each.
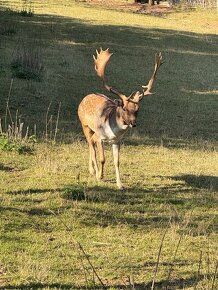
(99, 177)
(92, 172)
(121, 187)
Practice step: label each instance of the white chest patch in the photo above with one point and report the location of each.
(112, 133)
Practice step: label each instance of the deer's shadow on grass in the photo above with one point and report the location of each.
(202, 181)
(33, 191)
(148, 207)
(135, 207)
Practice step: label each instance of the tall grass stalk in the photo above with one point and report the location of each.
(177, 247)
(214, 277)
(57, 121)
(82, 250)
(47, 122)
(174, 258)
(208, 259)
(7, 111)
(49, 133)
(84, 270)
(199, 270)
(158, 259)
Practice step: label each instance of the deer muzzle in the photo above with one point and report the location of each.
(132, 124)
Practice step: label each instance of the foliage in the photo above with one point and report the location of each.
(74, 193)
(22, 72)
(26, 13)
(27, 8)
(7, 144)
(13, 136)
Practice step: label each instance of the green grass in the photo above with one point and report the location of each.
(120, 231)
(48, 201)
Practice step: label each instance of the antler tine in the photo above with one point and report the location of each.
(100, 64)
(131, 95)
(158, 63)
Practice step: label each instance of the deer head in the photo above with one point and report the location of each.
(128, 106)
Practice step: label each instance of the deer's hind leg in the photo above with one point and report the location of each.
(93, 166)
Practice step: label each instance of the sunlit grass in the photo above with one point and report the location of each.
(200, 21)
(214, 92)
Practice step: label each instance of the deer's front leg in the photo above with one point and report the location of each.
(101, 159)
(116, 153)
(91, 163)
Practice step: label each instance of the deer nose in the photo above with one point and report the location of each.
(133, 124)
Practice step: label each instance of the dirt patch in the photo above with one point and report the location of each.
(156, 10)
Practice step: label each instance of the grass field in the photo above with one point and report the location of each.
(59, 228)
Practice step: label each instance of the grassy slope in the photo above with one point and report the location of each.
(186, 103)
(167, 187)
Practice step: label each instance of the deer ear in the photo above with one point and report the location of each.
(118, 102)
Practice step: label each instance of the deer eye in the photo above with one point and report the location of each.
(136, 109)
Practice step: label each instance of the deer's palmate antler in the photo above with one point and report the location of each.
(103, 119)
(100, 64)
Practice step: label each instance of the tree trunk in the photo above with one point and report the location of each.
(151, 2)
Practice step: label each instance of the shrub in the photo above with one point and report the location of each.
(75, 192)
(13, 137)
(7, 144)
(27, 62)
(26, 13)
(27, 9)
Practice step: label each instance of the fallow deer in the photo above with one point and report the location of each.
(104, 119)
